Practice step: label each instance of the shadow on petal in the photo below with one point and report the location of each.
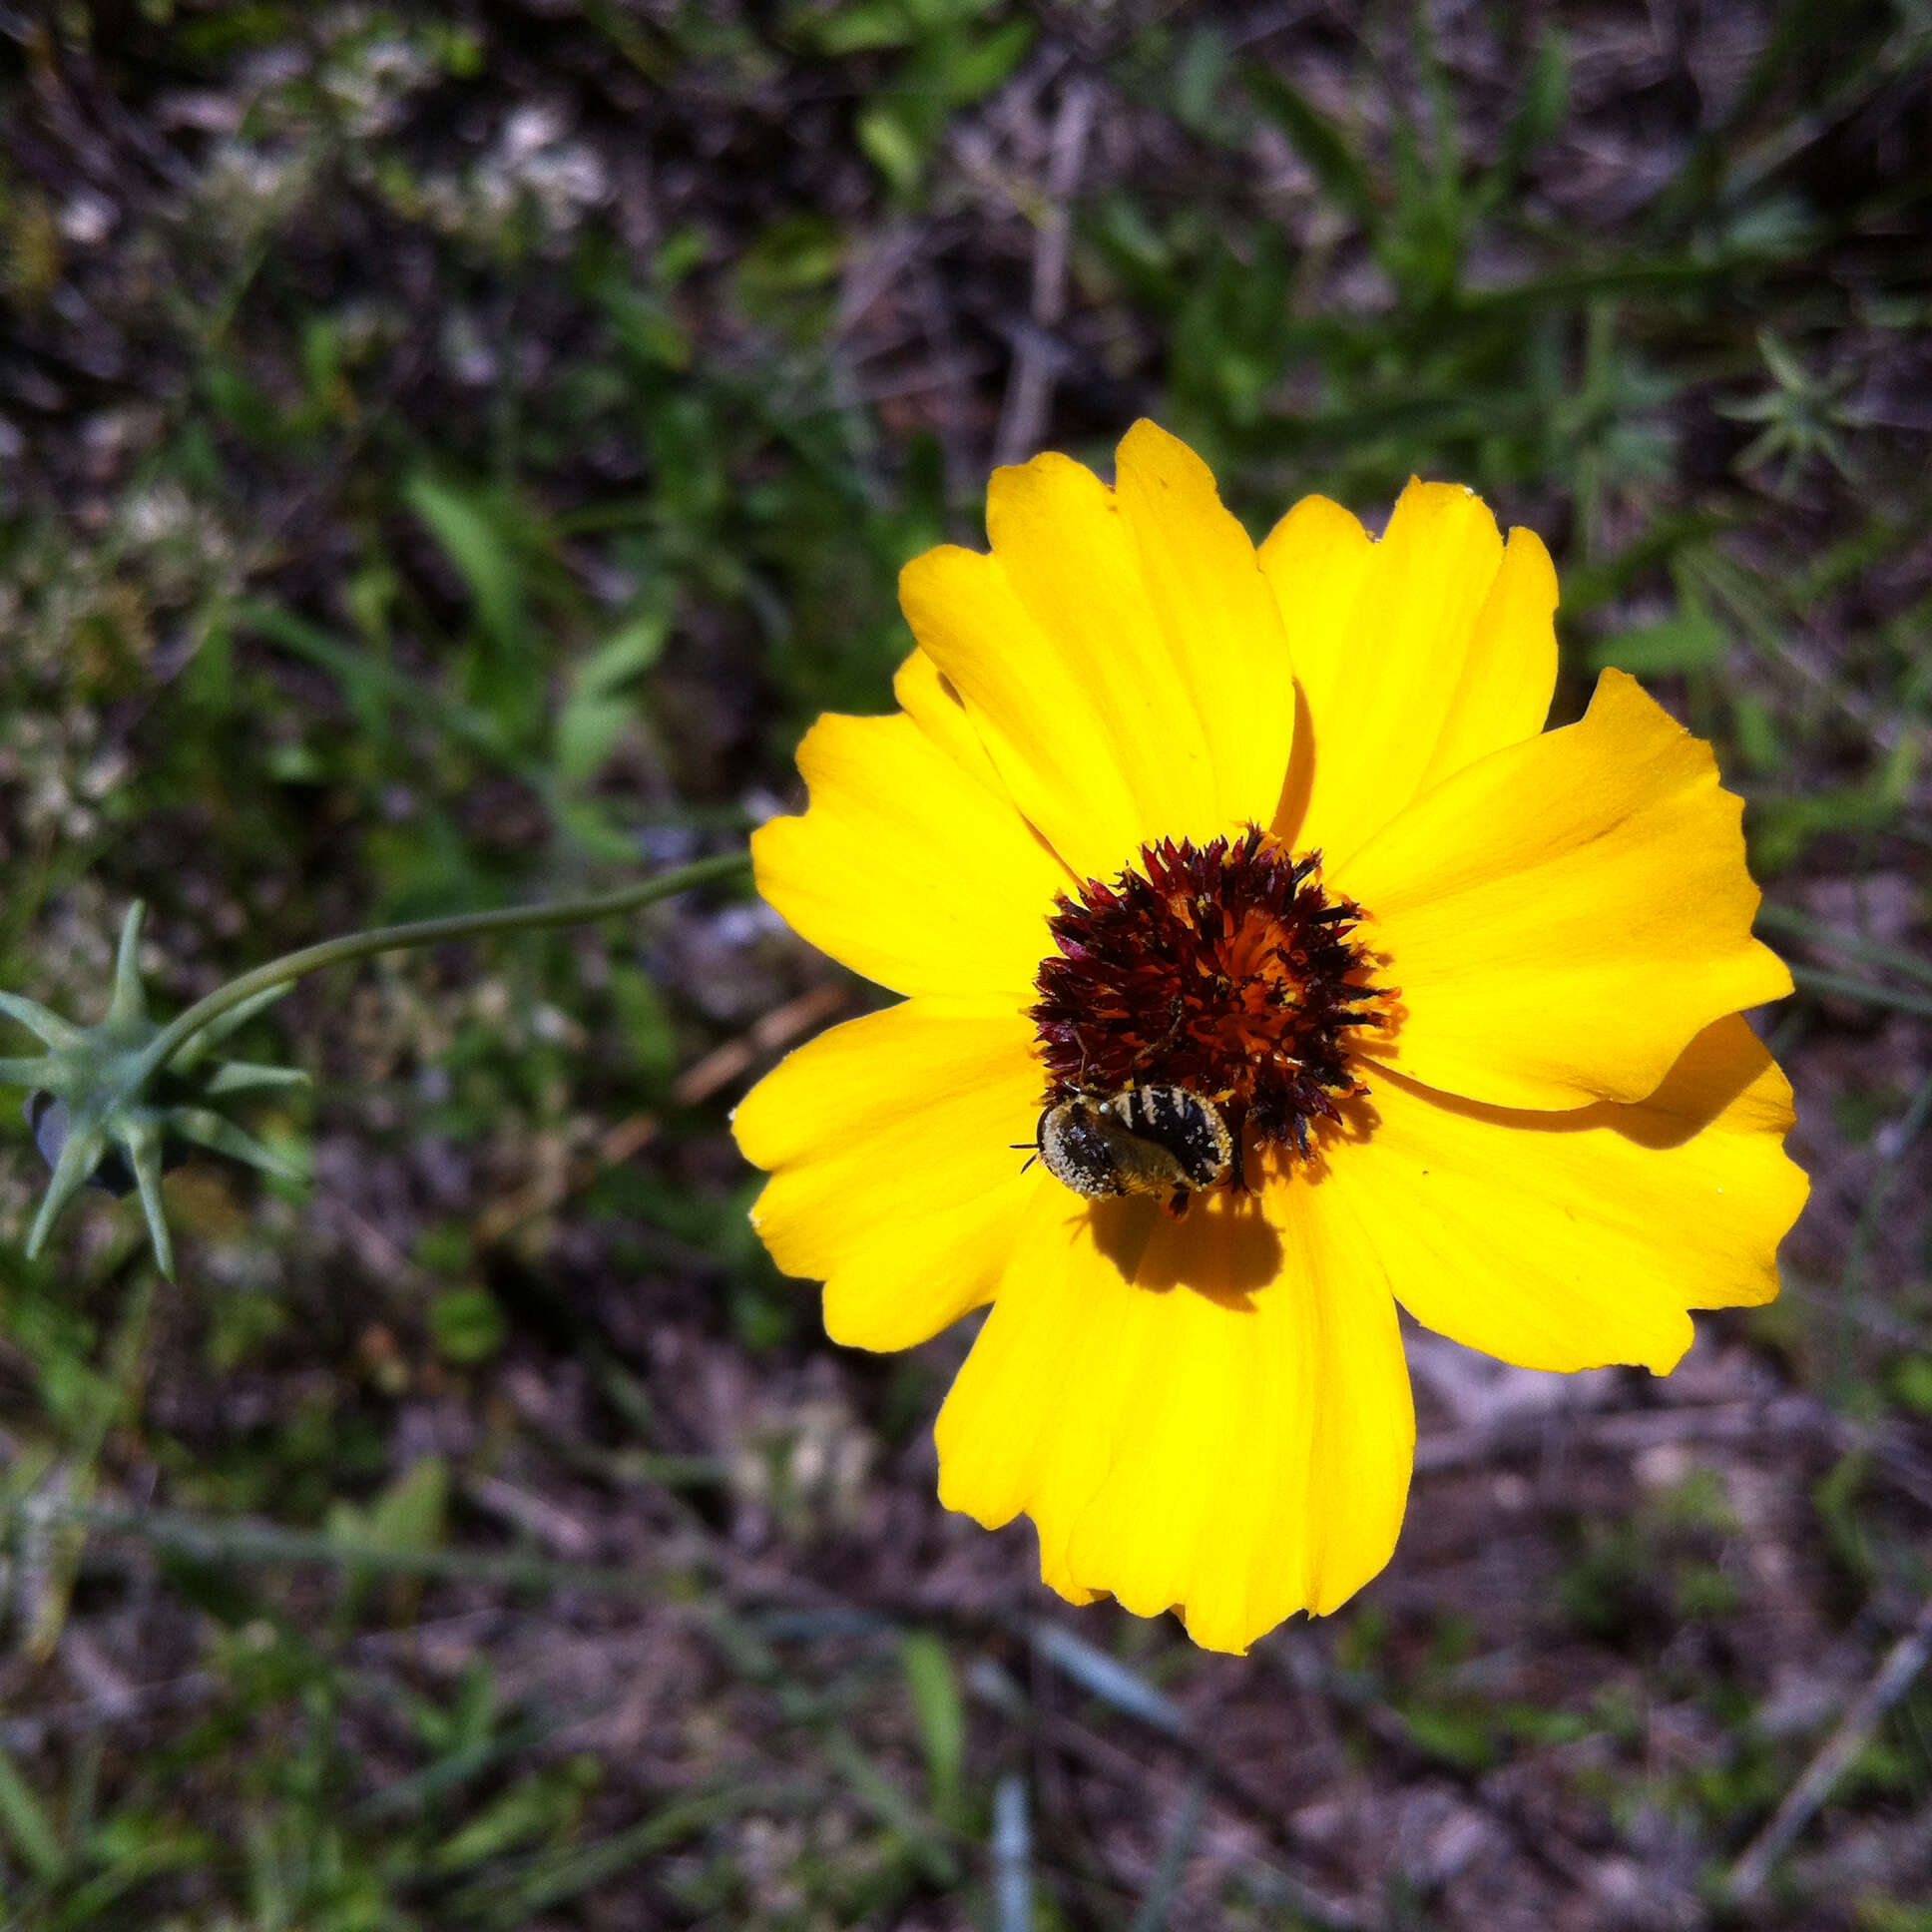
(1222, 1247)
(1712, 1074)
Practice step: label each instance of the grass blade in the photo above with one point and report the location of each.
(1109, 1680)
(1315, 139)
(27, 1826)
(1176, 1850)
(1012, 1856)
(1815, 980)
(941, 1712)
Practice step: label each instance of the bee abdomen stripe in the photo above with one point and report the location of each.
(1188, 1128)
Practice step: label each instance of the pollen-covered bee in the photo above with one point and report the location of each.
(1161, 1141)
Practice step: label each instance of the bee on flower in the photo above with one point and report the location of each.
(1246, 889)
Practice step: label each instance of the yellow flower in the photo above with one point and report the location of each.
(1483, 1056)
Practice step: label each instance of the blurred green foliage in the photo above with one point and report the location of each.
(409, 523)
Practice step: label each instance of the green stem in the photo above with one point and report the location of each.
(424, 932)
(1814, 980)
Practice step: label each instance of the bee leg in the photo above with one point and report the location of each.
(1176, 1206)
(1239, 1169)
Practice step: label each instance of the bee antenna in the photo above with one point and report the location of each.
(1029, 1160)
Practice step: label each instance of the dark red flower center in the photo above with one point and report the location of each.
(1225, 969)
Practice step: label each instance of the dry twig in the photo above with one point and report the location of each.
(778, 1028)
(1037, 357)
(1902, 1664)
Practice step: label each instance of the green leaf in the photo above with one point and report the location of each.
(629, 651)
(467, 1326)
(372, 684)
(471, 538)
(1316, 138)
(977, 67)
(892, 145)
(681, 250)
(647, 327)
(410, 1513)
(586, 824)
(592, 717)
(1692, 639)
(646, 1020)
(588, 729)
(1755, 726)
(794, 253)
(1199, 76)
(1539, 109)
(537, 1805)
(934, 1688)
(888, 1803)
(26, 1825)
(549, 1880)
(862, 26)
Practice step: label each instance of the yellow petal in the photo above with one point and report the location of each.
(1571, 1241)
(1510, 673)
(892, 1180)
(909, 867)
(937, 709)
(1212, 1414)
(1042, 727)
(1119, 655)
(1315, 561)
(1416, 655)
(1218, 618)
(1566, 915)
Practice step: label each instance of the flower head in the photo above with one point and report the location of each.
(1246, 890)
(112, 1107)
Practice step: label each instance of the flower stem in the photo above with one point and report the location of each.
(426, 932)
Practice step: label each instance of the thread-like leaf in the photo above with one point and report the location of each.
(38, 1021)
(218, 1029)
(78, 1158)
(245, 1076)
(141, 1142)
(207, 1129)
(130, 997)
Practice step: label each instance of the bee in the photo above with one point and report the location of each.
(1161, 1141)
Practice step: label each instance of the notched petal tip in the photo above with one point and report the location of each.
(1242, 1455)
(907, 867)
(892, 1177)
(1566, 915)
(1147, 447)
